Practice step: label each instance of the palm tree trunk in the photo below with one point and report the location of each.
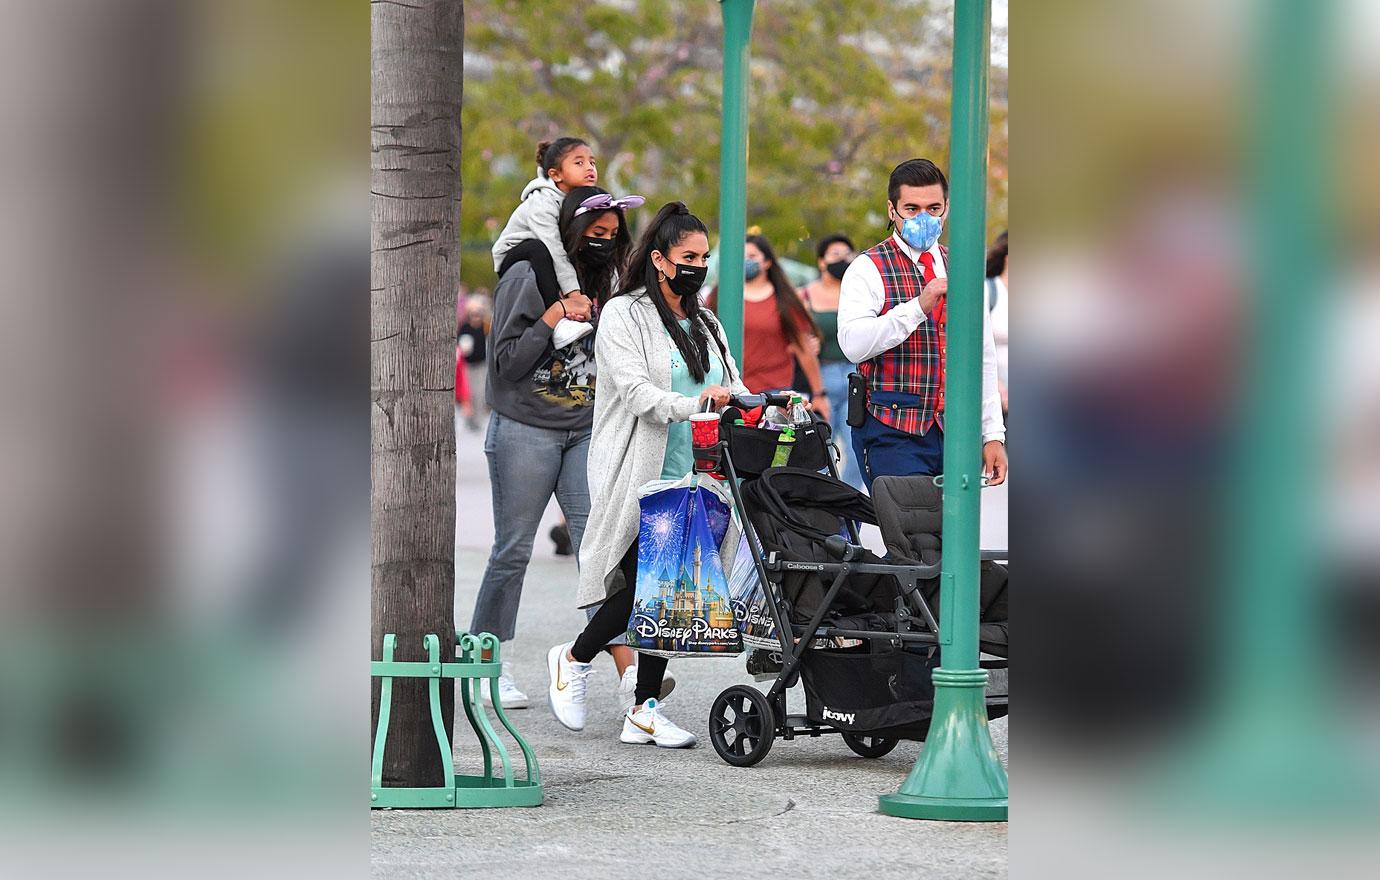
(415, 177)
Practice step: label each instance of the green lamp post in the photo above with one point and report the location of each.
(733, 157)
(959, 775)
(1277, 642)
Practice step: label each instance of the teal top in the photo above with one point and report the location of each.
(680, 456)
(829, 350)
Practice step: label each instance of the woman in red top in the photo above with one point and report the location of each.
(777, 328)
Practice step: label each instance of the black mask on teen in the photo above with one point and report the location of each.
(597, 251)
(688, 279)
(837, 268)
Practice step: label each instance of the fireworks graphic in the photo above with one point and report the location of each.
(664, 526)
(662, 537)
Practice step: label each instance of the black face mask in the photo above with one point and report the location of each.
(597, 251)
(688, 280)
(837, 268)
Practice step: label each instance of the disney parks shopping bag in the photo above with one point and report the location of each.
(749, 600)
(686, 541)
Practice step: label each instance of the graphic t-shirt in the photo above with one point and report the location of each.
(680, 456)
(566, 378)
(529, 381)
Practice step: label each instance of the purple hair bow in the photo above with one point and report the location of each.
(605, 202)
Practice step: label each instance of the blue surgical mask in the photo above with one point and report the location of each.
(922, 230)
(751, 269)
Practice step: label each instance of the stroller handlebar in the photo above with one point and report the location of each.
(751, 401)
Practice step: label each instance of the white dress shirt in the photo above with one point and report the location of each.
(865, 333)
(1001, 330)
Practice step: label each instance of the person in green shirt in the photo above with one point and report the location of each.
(821, 296)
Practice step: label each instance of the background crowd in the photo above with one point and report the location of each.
(785, 328)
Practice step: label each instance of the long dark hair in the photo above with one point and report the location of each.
(596, 281)
(667, 229)
(996, 256)
(796, 320)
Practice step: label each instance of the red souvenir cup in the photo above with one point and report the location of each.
(704, 428)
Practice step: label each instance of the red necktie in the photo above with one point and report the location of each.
(941, 308)
(940, 316)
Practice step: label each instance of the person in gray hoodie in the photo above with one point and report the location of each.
(542, 401)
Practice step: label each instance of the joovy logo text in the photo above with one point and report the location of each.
(845, 717)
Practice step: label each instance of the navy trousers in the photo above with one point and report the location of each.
(883, 451)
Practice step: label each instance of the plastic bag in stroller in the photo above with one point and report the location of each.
(750, 600)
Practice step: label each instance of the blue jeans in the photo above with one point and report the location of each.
(885, 451)
(526, 466)
(836, 384)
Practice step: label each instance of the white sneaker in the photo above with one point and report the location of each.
(650, 726)
(509, 694)
(568, 331)
(566, 693)
(627, 688)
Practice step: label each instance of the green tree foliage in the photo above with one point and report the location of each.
(840, 93)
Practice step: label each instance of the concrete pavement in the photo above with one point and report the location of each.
(809, 809)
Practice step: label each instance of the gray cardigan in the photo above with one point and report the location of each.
(634, 405)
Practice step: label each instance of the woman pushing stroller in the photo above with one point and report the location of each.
(660, 357)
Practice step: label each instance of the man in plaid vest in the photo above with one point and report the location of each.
(892, 317)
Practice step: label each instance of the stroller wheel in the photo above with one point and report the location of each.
(741, 725)
(869, 746)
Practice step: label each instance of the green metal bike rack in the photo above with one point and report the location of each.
(485, 791)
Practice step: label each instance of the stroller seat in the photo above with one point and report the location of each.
(795, 512)
(910, 515)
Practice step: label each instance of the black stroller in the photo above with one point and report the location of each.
(859, 631)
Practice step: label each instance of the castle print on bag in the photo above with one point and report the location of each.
(681, 607)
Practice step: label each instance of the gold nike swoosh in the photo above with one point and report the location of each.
(650, 731)
(560, 685)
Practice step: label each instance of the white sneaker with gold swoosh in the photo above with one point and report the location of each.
(649, 725)
(627, 688)
(566, 693)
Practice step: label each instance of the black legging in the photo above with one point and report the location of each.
(612, 619)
